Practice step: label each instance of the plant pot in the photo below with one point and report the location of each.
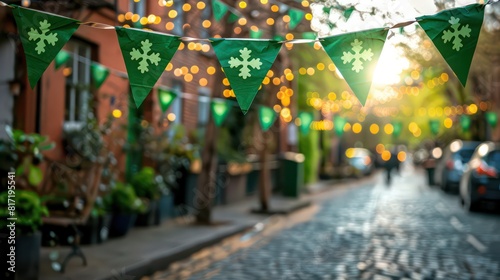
(121, 223)
(148, 219)
(27, 256)
(165, 208)
(96, 230)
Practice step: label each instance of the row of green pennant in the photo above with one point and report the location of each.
(220, 109)
(247, 61)
(220, 9)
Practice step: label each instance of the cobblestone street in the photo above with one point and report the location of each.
(406, 231)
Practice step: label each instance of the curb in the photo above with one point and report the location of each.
(162, 261)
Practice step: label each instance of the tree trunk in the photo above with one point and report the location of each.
(264, 178)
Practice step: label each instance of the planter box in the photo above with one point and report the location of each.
(121, 223)
(148, 218)
(95, 231)
(165, 209)
(27, 256)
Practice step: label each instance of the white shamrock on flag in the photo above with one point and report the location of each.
(34, 35)
(136, 54)
(245, 63)
(456, 33)
(357, 64)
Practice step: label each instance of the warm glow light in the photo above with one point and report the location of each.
(374, 129)
(401, 156)
(388, 128)
(270, 21)
(203, 82)
(448, 122)
(206, 23)
(242, 4)
(275, 8)
(171, 117)
(356, 128)
(380, 148)
(472, 109)
(117, 113)
(242, 21)
(200, 5)
(386, 155)
(186, 7)
(169, 26)
(172, 14)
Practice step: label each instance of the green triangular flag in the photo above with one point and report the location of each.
(339, 124)
(267, 116)
(327, 10)
(146, 55)
(348, 12)
(61, 58)
(435, 126)
(99, 74)
(220, 110)
(233, 17)
(296, 17)
(43, 35)
(455, 33)
(165, 99)
(306, 119)
(355, 55)
(465, 122)
(491, 118)
(398, 127)
(245, 63)
(220, 9)
(256, 34)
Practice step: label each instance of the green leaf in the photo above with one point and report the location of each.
(47, 147)
(35, 176)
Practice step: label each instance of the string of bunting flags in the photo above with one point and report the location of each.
(246, 62)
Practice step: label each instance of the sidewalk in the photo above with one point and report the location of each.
(146, 250)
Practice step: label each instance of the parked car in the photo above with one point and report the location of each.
(359, 162)
(480, 181)
(451, 166)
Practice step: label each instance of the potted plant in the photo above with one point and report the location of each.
(24, 152)
(125, 205)
(28, 211)
(147, 186)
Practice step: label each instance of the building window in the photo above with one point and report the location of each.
(179, 19)
(138, 7)
(205, 15)
(176, 107)
(203, 106)
(78, 81)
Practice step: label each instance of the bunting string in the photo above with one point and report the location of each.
(246, 61)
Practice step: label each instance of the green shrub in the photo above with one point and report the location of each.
(28, 211)
(145, 184)
(123, 199)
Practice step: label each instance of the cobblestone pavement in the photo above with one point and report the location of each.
(405, 231)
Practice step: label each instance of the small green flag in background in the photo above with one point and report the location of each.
(165, 98)
(306, 119)
(356, 55)
(99, 74)
(455, 33)
(492, 118)
(267, 116)
(465, 122)
(434, 126)
(296, 17)
(245, 63)
(220, 110)
(398, 127)
(233, 17)
(146, 55)
(61, 58)
(348, 12)
(255, 34)
(339, 124)
(220, 9)
(43, 35)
